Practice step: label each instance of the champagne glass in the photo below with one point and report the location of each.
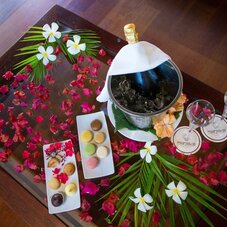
(217, 131)
(186, 139)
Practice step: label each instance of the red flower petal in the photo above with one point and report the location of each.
(109, 62)
(192, 159)
(63, 177)
(156, 217)
(109, 207)
(8, 75)
(102, 52)
(205, 145)
(2, 106)
(26, 154)
(4, 89)
(204, 179)
(86, 217)
(39, 119)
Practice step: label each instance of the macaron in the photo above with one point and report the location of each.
(70, 189)
(86, 136)
(53, 162)
(57, 199)
(92, 162)
(96, 125)
(89, 149)
(102, 152)
(54, 183)
(100, 137)
(69, 169)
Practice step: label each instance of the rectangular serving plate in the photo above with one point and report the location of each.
(70, 202)
(106, 165)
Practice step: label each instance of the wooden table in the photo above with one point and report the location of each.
(18, 190)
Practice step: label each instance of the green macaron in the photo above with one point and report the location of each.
(90, 149)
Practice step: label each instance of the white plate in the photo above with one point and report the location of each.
(137, 135)
(106, 165)
(191, 146)
(216, 135)
(70, 202)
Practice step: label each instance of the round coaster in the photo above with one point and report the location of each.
(216, 131)
(191, 146)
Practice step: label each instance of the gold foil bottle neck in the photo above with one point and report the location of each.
(130, 33)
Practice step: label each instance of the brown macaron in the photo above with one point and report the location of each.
(96, 125)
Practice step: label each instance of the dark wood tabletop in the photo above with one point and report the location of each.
(16, 193)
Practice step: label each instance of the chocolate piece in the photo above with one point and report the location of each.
(57, 199)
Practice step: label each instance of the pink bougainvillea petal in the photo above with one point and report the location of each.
(86, 107)
(19, 168)
(89, 187)
(98, 90)
(87, 92)
(85, 205)
(30, 164)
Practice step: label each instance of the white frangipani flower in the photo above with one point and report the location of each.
(148, 151)
(74, 47)
(142, 200)
(46, 55)
(51, 32)
(177, 193)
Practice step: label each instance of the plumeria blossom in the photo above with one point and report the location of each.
(74, 47)
(51, 32)
(148, 152)
(142, 200)
(46, 55)
(177, 193)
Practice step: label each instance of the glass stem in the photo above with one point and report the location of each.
(187, 134)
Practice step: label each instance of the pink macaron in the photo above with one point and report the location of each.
(92, 162)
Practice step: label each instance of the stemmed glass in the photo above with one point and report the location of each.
(186, 139)
(217, 131)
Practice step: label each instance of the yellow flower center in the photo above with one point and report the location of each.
(45, 54)
(148, 150)
(175, 191)
(142, 199)
(51, 33)
(76, 45)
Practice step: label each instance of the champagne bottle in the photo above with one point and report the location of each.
(145, 82)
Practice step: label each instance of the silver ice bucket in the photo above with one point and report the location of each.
(166, 77)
